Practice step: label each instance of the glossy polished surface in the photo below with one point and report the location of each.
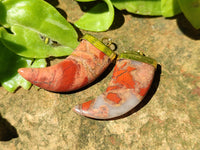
(130, 82)
(82, 67)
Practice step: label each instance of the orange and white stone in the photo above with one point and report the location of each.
(130, 82)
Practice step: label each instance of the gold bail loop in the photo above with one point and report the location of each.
(108, 42)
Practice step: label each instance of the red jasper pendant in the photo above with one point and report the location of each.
(131, 80)
(82, 67)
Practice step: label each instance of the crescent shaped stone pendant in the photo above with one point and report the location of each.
(83, 66)
(130, 82)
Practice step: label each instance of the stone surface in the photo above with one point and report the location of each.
(39, 119)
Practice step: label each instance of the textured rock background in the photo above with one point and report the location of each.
(169, 120)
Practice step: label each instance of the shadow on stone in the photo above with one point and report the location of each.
(53, 2)
(187, 28)
(86, 6)
(7, 131)
(118, 20)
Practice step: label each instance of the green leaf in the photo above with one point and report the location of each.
(99, 18)
(141, 7)
(27, 43)
(170, 8)
(191, 10)
(9, 64)
(31, 19)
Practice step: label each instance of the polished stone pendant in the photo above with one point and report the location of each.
(83, 66)
(130, 82)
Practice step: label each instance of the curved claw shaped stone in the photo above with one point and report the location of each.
(82, 67)
(131, 80)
